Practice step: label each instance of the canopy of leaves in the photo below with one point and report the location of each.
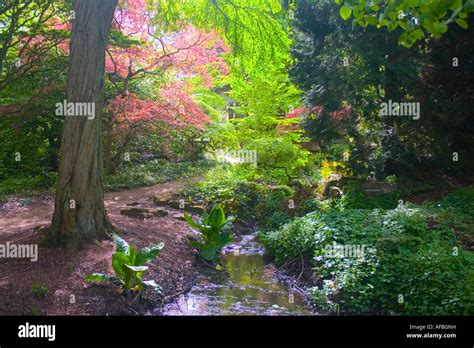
(414, 17)
(349, 72)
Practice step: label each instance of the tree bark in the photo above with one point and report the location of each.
(109, 159)
(79, 213)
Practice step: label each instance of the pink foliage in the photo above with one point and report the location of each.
(296, 113)
(176, 106)
(184, 54)
(176, 109)
(31, 46)
(181, 56)
(132, 18)
(336, 116)
(188, 52)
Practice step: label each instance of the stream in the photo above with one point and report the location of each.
(245, 285)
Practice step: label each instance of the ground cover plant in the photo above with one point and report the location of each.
(409, 260)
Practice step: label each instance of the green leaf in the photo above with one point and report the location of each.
(205, 217)
(225, 238)
(371, 20)
(403, 24)
(208, 252)
(345, 12)
(217, 216)
(462, 23)
(419, 34)
(412, 3)
(137, 268)
(468, 6)
(191, 222)
(100, 277)
(119, 259)
(358, 12)
(441, 27)
(120, 244)
(194, 244)
(148, 254)
(456, 5)
(354, 24)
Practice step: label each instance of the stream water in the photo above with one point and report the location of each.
(246, 285)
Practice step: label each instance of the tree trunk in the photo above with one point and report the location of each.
(79, 213)
(109, 159)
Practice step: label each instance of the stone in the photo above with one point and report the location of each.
(133, 204)
(159, 213)
(137, 213)
(163, 199)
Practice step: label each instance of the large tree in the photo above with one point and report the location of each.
(79, 213)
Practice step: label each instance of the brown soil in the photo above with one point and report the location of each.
(63, 274)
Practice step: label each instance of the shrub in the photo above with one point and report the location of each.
(460, 202)
(39, 290)
(153, 172)
(129, 264)
(27, 185)
(258, 203)
(411, 251)
(213, 232)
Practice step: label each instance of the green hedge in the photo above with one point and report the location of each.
(414, 264)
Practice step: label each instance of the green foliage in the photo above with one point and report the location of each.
(210, 102)
(29, 129)
(279, 159)
(153, 172)
(27, 22)
(320, 298)
(256, 31)
(27, 186)
(253, 203)
(131, 176)
(356, 199)
(411, 251)
(272, 210)
(214, 234)
(129, 264)
(414, 17)
(39, 290)
(346, 73)
(30, 143)
(263, 103)
(227, 186)
(460, 202)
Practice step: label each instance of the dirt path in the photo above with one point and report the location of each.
(67, 292)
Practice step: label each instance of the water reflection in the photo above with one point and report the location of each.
(246, 286)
